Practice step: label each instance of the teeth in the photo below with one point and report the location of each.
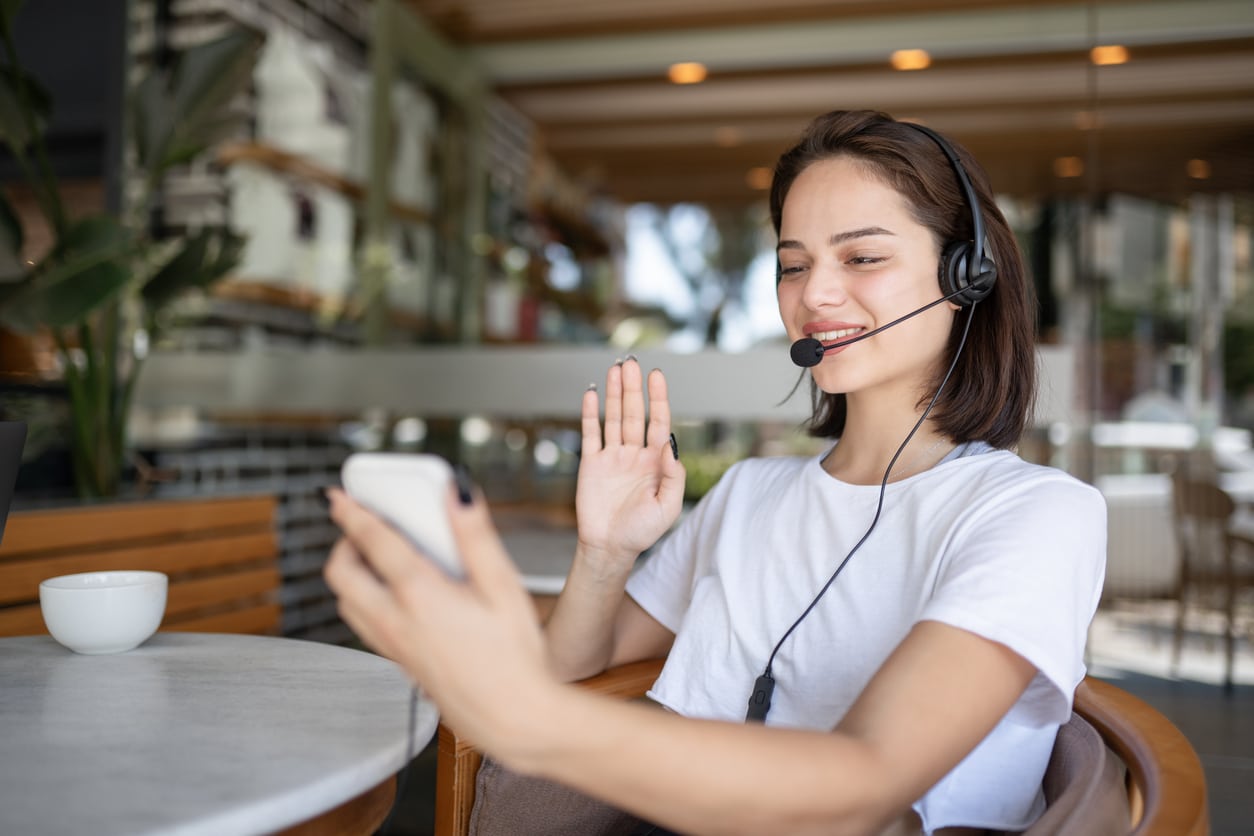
(824, 336)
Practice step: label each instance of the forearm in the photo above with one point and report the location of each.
(699, 776)
(580, 631)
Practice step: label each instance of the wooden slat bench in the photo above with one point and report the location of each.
(221, 556)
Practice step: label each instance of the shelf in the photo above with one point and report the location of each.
(309, 302)
(297, 166)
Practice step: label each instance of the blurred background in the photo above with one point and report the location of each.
(429, 224)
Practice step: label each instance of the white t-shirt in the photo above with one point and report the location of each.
(1011, 551)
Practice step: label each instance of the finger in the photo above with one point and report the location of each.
(614, 406)
(358, 590)
(382, 548)
(350, 577)
(659, 412)
(633, 403)
(670, 489)
(489, 568)
(590, 421)
(363, 622)
(355, 616)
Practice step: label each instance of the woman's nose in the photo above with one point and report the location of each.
(824, 288)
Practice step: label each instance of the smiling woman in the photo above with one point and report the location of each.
(882, 638)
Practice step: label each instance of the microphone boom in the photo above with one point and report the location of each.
(807, 351)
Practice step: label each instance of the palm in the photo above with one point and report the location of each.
(630, 486)
(617, 498)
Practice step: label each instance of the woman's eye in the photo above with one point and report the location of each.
(865, 260)
(791, 270)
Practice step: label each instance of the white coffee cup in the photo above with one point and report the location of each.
(103, 612)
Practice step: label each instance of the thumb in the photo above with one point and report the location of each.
(670, 490)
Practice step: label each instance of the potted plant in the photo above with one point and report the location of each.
(103, 286)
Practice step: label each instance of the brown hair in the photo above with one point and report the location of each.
(991, 393)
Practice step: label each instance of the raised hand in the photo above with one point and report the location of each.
(631, 483)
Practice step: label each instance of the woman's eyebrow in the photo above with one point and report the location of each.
(838, 238)
(864, 232)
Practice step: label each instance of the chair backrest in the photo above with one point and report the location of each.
(1084, 786)
(1202, 514)
(1165, 782)
(221, 556)
(458, 761)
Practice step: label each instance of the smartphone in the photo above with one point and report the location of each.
(409, 491)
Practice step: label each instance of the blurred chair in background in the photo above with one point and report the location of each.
(1216, 561)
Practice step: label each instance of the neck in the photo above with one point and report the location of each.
(869, 443)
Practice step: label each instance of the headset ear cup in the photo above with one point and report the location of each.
(955, 275)
(953, 272)
(982, 285)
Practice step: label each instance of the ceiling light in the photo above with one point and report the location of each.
(1105, 56)
(911, 59)
(1086, 120)
(1198, 169)
(687, 72)
(1068, 167)
(759, 178)
(727, 136)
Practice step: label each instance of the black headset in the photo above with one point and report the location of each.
(966, 276)
(966, 272)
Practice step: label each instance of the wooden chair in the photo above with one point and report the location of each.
(457, 761)
(221, 556)
(1214, 559)
(1165, 782)
(1165, 785)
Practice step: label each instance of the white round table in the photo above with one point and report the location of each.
(194, 733)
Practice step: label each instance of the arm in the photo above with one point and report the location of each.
(938, 695)
(629, 493)
(935, 698)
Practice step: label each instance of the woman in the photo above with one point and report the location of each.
(913, 603)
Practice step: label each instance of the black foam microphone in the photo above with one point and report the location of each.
(808, 351)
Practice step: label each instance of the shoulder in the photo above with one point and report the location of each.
(1002, 478)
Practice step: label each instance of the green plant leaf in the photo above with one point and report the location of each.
(93, 235)
(10, 240)
(180, 272)
(230, 252)
(89, 267)
(68, 297)
(149, 118)
(204, 257)
(183, 148)
(8, 13)
(208, 76)
(173, 113)
(23, 103)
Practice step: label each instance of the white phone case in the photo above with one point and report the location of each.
(409, 490)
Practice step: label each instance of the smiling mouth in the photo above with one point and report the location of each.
(840, 334)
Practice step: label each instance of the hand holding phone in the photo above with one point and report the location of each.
(409, 491)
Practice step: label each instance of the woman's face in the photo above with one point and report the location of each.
(852, 258)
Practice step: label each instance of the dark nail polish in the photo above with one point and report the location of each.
(465, 485)
(674, 447)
